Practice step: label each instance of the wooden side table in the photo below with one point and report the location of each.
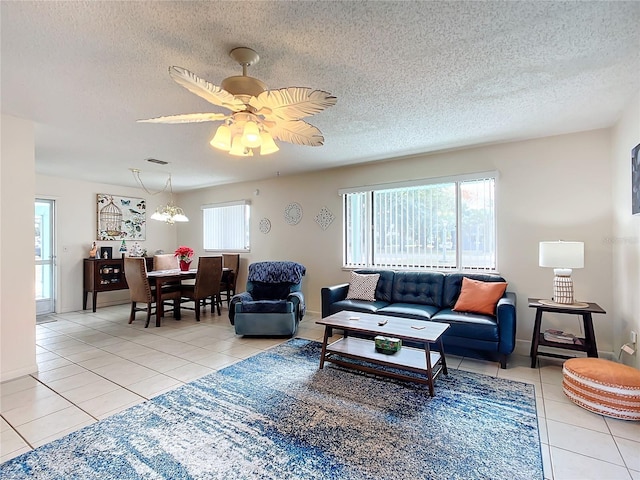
(587, 344)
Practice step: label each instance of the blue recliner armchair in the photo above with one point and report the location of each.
(273, 304)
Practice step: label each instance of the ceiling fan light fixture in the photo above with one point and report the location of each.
(237, 148)
(268, 145)
(222, 138)
(251, 135)
(258, 115)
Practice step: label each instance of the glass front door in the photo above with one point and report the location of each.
(45, 258)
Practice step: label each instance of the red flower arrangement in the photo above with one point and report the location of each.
(184, 253)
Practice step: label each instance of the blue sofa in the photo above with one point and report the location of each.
(431, 296)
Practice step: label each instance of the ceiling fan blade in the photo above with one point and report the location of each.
(187, 118)
(293, 103)
(210, 92)
(298, 132)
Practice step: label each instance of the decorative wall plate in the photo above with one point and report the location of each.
(265, 225)
(324, 218)
(293, 213)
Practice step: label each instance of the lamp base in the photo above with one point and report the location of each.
(563, 289)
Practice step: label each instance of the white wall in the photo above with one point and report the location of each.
(536, 177)
(76, 229)
(550, 188)
(17, 272)
(625, 241)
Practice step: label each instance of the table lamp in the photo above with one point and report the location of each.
(562, 257)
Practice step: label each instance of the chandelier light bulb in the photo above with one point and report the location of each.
(268, 145)
(180, 218)
(222, 138)
(251, 135)
(158, 216)
(170, 214)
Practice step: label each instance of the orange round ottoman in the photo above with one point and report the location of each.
(603, 387)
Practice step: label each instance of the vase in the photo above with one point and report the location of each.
(184, 266)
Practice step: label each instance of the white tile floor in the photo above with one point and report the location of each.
(92, 365)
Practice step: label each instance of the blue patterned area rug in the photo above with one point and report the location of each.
(276, 416)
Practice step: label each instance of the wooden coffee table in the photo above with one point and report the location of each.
(417, 360)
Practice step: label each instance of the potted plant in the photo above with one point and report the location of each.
(184, 255)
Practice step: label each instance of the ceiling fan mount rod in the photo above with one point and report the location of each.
(244, 86)
(245, 56)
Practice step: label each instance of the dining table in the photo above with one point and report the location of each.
(160, 277)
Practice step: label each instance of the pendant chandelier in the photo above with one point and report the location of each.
(169, 213)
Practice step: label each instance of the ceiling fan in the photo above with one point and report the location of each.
(258, 115)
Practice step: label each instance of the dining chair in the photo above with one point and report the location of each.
(228, 284)
(207, 284)
(165, 261)
(140, 291)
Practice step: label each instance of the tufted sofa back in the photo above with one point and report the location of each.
(385, 283)
(428, 288)
(418, 287)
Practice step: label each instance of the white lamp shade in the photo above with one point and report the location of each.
(268, 145)
(561, 254)
(251, 135)
(222, 138)
(237, 148)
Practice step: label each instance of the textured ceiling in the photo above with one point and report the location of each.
(410, 77)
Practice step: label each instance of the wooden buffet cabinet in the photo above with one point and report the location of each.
(105, 275)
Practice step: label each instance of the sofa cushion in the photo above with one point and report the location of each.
(453, 284)
(424, 288)
(409, 310)
(468, 325)
(363, 286)
(479, 297)
(357, 306)
(385, 283)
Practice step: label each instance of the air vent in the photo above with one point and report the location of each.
(155, 160)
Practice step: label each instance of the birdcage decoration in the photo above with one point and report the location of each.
(111, 219)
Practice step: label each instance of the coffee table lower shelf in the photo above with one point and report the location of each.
(407, 358)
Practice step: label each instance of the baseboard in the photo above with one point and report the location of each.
(13, 374)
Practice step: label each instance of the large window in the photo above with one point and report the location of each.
(442, 224)
(226, 226)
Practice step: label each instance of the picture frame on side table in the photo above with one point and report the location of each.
(635, 180)
(106, 252)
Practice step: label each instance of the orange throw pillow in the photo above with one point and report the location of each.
(479, 297)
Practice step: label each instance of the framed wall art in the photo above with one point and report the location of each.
(635, 180)
(293, 213)
(324, 218)
(121, 218)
